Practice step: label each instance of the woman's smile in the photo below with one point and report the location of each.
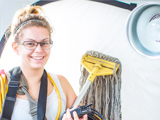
(36, 57)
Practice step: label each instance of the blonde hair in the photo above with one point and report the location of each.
(31, 16)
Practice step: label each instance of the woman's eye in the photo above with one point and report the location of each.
(30, 43)
(45, 43)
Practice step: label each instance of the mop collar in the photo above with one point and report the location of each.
(25, 23)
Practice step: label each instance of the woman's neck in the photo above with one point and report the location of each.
(33, 76)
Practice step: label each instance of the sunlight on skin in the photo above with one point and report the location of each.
(9, 59)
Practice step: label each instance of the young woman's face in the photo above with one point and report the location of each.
(37, 57)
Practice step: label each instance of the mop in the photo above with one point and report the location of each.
(104, 89)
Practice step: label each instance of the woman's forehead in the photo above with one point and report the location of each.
(34, 40)
(35, 33)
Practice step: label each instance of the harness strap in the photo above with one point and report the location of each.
(32, 103)
(23, 89)
(11, 94)
(42, 98)
(119, 4)
(22, 82)
(38, 113)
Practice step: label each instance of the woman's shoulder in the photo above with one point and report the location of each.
(64, 83)
(60, 78)
(67, 89)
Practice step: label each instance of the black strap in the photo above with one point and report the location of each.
(2, 44)
(42, 98)
(10, 98)
(118, 4)
(11, 95)
(110, 2)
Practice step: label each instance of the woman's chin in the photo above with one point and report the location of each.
(37, 66)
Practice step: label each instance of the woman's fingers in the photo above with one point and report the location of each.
(74, 108)
(64, 117)
(69, 115)
(85, 117)
(75, 115)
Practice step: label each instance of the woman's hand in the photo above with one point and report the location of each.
(67, 115)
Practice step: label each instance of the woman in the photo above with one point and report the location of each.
(32, 42)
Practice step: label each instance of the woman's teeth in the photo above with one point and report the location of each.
(37, 58)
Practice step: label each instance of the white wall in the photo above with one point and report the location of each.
(7, 10)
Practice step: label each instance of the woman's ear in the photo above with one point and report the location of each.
(15, 48)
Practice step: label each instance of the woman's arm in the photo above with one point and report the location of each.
(71, 97)
(68, 91)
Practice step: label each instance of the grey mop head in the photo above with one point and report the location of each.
(103, 56)
(104, 92)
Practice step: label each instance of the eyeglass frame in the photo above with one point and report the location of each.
(50, 42)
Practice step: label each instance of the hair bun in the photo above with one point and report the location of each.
(33, 10)
(28, 10)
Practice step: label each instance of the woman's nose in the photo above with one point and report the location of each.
(38, 48)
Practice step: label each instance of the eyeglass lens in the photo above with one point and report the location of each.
(33, 44)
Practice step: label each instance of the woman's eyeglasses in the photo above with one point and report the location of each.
(31, 45)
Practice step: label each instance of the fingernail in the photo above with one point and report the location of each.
(74, 112)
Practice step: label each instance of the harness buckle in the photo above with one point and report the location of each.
(33, 111)
(13, 83)
(10, 98)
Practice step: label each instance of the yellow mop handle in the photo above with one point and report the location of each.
(93, 74)
(89, 81)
